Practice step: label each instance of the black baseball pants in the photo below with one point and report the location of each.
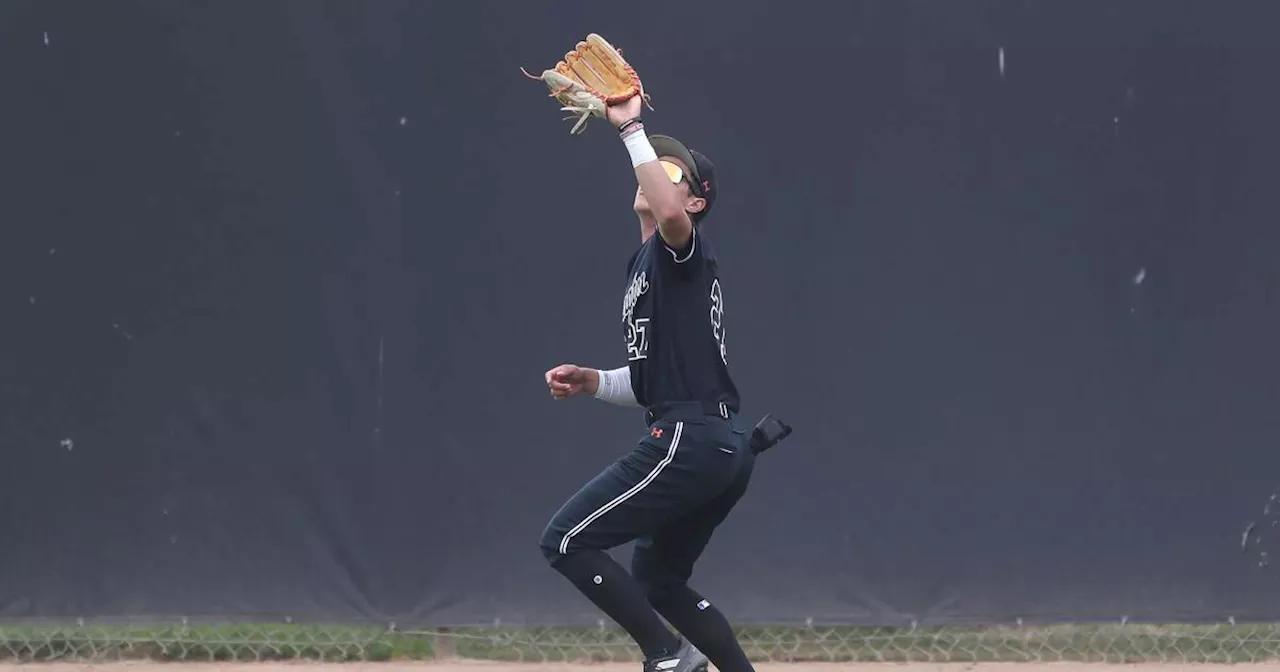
(668, 494)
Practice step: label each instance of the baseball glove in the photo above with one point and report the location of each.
(591, 78)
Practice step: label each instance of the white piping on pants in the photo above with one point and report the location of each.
(671, 455)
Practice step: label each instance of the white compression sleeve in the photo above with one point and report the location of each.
(615, 387)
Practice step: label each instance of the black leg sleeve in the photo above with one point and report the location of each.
(617, 594)
(703, 625)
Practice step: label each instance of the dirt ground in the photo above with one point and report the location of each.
(469, 666)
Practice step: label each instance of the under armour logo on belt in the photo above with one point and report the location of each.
(656, 432)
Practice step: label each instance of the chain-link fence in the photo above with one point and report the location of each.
(1112, 643)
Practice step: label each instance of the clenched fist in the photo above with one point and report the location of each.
(568, 380)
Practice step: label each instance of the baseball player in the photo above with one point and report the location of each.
(693, 462)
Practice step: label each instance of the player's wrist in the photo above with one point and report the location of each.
(630, 126)
(638, 146)
(590, 381)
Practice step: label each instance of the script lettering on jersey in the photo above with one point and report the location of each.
(637, 329)
(717, 318)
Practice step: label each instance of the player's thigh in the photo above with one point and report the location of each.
(667, 556)
(630, 498)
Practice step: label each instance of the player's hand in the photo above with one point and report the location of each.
(568, 380)
(623, 112)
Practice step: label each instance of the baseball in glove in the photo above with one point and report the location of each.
(591, 78)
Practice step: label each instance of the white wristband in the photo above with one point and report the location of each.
(615, 387)
(639, 148)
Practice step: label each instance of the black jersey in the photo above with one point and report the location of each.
(673, 321)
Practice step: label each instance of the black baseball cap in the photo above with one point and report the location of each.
(703, 181)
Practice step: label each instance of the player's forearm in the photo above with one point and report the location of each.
(662, 196)
(612, 386)
(674, 225)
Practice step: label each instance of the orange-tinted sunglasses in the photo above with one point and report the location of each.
(676, 173)
(673, 171)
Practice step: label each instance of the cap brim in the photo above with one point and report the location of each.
(665, 145)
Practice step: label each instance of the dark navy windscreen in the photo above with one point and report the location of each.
(673, 322)
(275, 309)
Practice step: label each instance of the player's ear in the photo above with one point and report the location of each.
(695, 205)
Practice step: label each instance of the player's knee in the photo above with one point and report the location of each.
(550, 549)
(550, 544)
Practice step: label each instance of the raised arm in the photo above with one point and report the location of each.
(665, 199)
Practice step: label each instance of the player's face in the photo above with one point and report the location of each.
(641, 205)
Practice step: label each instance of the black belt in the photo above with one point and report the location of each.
(767, 433)
(688, 411)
